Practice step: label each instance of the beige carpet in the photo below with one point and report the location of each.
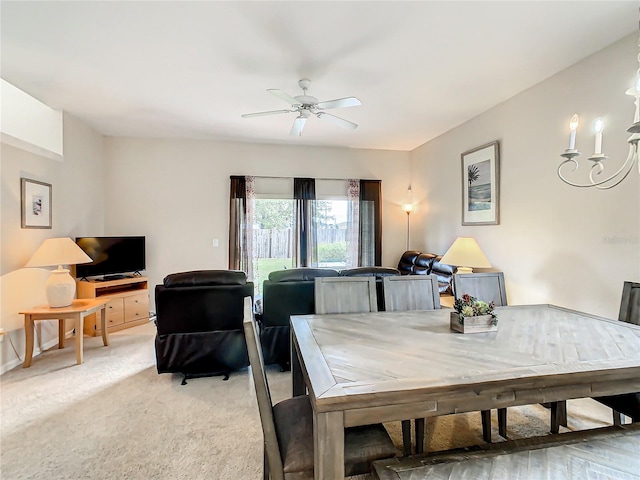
(114, 417)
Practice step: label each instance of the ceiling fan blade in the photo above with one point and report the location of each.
(340, 103)
(260, 114)
(298, 125)
(283, 96)
(341, 122)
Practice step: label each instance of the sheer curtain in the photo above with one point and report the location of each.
(305, 246)
(353, 223)
(241, 222)
(370, 253)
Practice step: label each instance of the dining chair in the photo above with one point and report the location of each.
(490, 287)
(411, 292)
(288, 426)
(345, 295)
(628, 403)
(486, 286)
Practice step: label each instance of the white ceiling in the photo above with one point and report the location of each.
(190, 69)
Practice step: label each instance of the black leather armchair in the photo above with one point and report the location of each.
(199, 323)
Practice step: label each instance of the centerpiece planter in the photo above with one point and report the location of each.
(473, 316)
(477, 324)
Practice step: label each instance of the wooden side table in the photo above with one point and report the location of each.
(77, 311)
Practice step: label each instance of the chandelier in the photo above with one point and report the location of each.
(596, 177)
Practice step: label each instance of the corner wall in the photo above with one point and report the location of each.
(78, 209)
(555, 243)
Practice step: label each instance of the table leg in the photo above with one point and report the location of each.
(297, 378)
(61, 333)
(103, 325)
(79, 337)
(28, 333)
(328, 430)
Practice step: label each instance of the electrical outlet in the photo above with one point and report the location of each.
(216, 243)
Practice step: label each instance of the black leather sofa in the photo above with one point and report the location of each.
(199, 323)
(285, 293)
(418, 263)
(291, 292)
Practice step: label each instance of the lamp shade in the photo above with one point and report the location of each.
(465, 253)
(58, 251)
(60, 287)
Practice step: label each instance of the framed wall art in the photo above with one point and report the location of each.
(481, 185)
(35, 203)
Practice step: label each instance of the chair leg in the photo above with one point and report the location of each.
(502, 422)
(562, 411)
(406, 437)
(265, 465)
(617, 418)
(419, 424)
(486, 425)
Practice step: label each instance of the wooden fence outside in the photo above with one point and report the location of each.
(276, 243)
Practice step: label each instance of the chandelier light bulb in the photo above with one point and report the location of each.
(598, 126)
(573, 125)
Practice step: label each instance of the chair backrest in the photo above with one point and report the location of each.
(345, 295)
(411, 292)
(488, 287)
(272, 450)
(630, 304)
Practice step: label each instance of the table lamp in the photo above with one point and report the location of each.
(465, 254)
(60, 287)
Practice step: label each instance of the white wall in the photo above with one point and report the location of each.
(176, 193)
(555, 243)
(78, 209)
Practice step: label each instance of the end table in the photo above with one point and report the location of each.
(77, 311)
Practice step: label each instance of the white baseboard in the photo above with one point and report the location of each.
(11, 364)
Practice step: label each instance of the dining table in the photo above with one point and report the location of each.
(366, 368)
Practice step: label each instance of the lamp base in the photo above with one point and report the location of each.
(60, 288)
(464, 270)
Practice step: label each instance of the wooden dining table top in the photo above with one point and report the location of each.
(367, 368)
(368, 359)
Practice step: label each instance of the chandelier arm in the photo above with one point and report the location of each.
(628, 165)
(633, 151)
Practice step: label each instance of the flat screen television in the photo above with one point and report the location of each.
(113, 257)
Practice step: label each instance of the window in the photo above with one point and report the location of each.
(280, 223)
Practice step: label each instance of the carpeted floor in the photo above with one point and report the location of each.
(114, 417)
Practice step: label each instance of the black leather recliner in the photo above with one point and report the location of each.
(199, 323)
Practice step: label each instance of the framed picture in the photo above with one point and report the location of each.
(35, 204)
(481, 185)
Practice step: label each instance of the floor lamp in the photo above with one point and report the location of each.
(408, 208)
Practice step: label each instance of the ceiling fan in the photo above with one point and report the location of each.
(306, 105)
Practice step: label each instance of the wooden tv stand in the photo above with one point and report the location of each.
(128, 304)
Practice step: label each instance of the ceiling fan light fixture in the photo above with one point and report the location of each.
(305, 105)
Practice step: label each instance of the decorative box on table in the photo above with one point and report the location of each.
(474, 324)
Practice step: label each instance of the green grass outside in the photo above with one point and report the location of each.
(268, 265)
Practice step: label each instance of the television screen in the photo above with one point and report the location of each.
(111, 255)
